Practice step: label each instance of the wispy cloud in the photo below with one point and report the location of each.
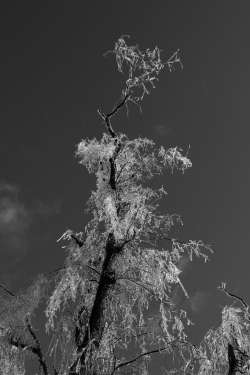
(198, 301)
(14, 221)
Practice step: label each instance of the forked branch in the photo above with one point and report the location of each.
(34, 349)
(106, 117)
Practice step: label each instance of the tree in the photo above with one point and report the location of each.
(225, 350)
(98, 304)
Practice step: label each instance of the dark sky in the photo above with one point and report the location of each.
(54, 77)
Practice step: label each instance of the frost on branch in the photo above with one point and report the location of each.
(11, 360)
(66, 290)
(144, 273)
(93, 151)
(15, 309)
(226, 349)
(137, 160)
(14, 334)
(115, 269)
(174, 159)
(136, 156)
(143, 67)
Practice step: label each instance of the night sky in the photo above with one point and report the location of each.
(54, 78)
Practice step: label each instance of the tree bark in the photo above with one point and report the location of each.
(94, 330)
(232, 360)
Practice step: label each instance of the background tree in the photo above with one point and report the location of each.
(122, 266)
(224, 350)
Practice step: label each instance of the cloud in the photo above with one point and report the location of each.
(8, 188)
(16, 217)
(14, 220)
(198, 301)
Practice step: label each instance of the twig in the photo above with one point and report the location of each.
(223, 289)
(93, 269)
(108, 116)
(137, 283)
(37, 349)
(7, 290)
(144, 354)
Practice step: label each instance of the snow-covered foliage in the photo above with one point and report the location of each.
(144, 272)
(15, 311)
(11, 360)
(122, 242)
(224, 350)
(143, 67)
(117, 267)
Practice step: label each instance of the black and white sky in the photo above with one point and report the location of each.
(54, 78)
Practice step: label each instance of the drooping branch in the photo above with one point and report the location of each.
(143, 67)
(129, 362)
(138, 283)
(7, 290)
(93, 269)
(17, 342)
(37, 349)
(34, 349)
(149, 352)
(237, 358)
(142, 72)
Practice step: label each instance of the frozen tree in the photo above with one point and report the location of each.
(115, 268)
(226, 349)
(123, 266)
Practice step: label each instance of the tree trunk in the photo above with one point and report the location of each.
(96, 324)
(232, 360)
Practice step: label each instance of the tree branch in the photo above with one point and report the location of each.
(108, 116)
(93, 269)
(137, 283)
(129, 362)
(37, 349)
(234, 296)
(7, 290)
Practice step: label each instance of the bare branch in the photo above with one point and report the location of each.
(222, 287)
(93, 269)
(7, 290)
(37, 349)
(34, 349)
(158, 350)
(141, 285)
(108, 116)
